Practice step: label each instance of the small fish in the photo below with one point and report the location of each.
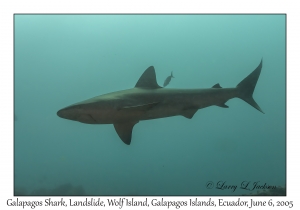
(168, 79)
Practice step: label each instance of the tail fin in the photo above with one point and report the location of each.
(172, 74)
(246, 87)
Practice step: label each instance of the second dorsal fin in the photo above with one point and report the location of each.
(216, 86)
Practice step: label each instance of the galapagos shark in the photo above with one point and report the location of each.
(147, 101)
(168, 79)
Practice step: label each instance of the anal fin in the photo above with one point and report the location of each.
(189, 113)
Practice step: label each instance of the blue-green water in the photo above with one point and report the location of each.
(63, 59)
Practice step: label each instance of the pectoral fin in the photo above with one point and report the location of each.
(124, 130)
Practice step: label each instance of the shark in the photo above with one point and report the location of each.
(147, 101)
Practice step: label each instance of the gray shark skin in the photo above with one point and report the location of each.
(147, 101)
(168, 79)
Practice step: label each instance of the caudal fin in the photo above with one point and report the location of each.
(246, 87)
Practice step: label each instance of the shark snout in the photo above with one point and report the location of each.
(69, 113)
(60, 113)
(65, 113)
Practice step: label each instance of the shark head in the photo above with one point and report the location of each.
(77, 113)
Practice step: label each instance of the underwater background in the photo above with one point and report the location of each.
(60, 60)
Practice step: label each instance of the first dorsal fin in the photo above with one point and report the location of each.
(148, 79)
(217, 86)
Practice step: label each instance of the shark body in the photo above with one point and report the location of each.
(147, 100)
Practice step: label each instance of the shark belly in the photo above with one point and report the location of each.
(161, 112)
